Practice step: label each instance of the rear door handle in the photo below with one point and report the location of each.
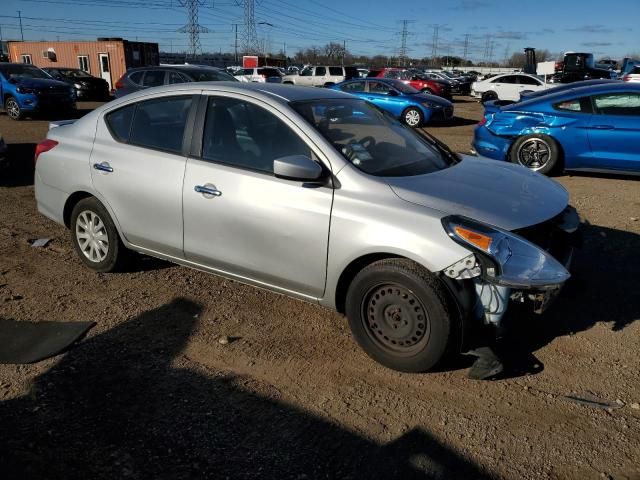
(103, 167)
(602, 127)
(208, 190)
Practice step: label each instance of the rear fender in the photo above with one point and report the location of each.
(511, 124)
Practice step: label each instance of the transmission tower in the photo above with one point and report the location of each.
(193, 28)
(250, 42)
(434, 51)
(402, 54)
(466, 47)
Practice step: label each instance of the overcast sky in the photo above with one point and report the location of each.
(489, 27)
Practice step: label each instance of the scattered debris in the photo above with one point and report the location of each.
(224, 340)
(634, 219)
(635, 406)
(40, 242)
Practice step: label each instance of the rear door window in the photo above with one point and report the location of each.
(336, 71)
(512, 79)
(353, 87)
(159, 123)
(524, 80)
(176, 77)
(153, 78)
(320, 71)
(119, 122)
(626, 104)
(579, 105)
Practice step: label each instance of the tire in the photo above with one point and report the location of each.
(83, 220)
(539, 153)
(488, 96)
(12, 107)
(287, 83)
(428, 91)
(329, 84)
(417, 332)
(413, 117)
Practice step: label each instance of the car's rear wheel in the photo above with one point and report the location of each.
(399, 314)
(539, 153)
(12, 107)
(488, 96)
(95, 237)
(413, 117)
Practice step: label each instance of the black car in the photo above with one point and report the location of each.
(87, 87)
(580, 66)
(146, 77)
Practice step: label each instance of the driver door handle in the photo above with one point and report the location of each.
(208, 190)
(103, 167)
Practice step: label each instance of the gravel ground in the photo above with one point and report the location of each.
(152, 393)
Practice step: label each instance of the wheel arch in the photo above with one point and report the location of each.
(78, 195)
(351, 270)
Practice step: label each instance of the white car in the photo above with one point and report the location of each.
(321, 76)
(633, 75)
(507, 86)
(259, 75)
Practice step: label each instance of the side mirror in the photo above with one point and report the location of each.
(297, 167)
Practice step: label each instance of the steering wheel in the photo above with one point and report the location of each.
(368, 142)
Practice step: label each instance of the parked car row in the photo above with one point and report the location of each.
(315, 194)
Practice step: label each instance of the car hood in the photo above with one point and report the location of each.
(441, 102)
(40, 83)
(490, 191)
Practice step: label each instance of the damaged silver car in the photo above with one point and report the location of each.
(317, 195)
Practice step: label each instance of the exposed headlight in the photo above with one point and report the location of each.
(507, 259)
(25, 90)
(78, 85)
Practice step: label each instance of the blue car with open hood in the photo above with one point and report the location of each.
(590, 128)
(404, 102)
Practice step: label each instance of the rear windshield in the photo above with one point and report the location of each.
(372, 140)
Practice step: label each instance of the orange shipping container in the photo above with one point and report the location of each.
(104, 58)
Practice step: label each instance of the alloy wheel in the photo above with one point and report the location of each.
(92, 236)
(13, 109)
(412, 117)
(534, 154)
(395, 319)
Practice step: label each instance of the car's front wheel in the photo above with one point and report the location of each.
(12, 107)
(400, 315)
(95, 237)
(539, 153)
(413, 117)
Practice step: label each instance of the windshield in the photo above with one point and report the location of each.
(75, 73)
(373, 141)
(211, 76)
(15, 71)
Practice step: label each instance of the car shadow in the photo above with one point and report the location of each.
(19, 168)
(454, 122)
(604, 272)
(125, 404)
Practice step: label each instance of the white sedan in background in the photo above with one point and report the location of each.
(507, 86)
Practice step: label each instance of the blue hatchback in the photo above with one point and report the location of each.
(401, 100)
(25, 89)
(591, 128)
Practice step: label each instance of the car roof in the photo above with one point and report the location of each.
(177, 67)
(267, 91)
(580, 91)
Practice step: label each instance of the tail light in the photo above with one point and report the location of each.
(482, 122)
(626, 78)
(119, 83)
(43, 146)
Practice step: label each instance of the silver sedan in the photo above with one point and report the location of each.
(317, 195)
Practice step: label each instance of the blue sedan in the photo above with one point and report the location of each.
(590, 128)
(401, 100)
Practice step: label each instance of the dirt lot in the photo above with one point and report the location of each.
(150, 393)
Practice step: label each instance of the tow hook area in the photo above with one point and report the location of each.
(494, 300)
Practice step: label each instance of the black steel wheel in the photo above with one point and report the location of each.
(401, 315)
(539, 153)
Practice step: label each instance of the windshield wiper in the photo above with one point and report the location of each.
(442, 147)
